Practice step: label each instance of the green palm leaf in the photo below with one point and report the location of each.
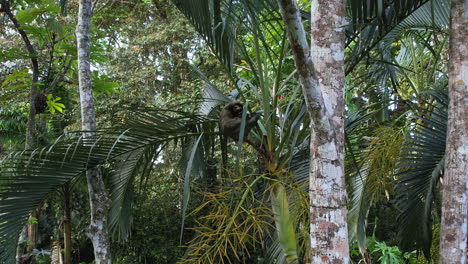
(433, 15)
(371, 179)
(126, 168)
(421, 166)
(192, 157)
(207, 19)
(28, 176)
(284, 225)
(373, 26)
(372, 149)
(357, 215)
(223, 25)
(212, 97)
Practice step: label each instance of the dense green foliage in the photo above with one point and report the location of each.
(181, 191)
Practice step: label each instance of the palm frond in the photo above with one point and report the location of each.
(421, 166)
(357, 215)
(124, 170)
(433, 15)
(190, 162)
(377, 22)
(206, 16)
(28, 176)
(223, 25)
(371, 181)
(365, 11)
(284, 224)
(212, 96)
(274, 253)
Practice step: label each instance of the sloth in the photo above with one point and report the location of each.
(230, 121)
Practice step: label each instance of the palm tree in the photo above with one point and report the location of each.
(416, 94)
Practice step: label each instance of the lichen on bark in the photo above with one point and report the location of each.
(321, 74)
(453, 235)
(98, 196)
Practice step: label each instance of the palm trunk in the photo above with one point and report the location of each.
(453, 235)
(98, 196)
(321, 75)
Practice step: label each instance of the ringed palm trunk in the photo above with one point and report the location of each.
(453, 236)
(98, 196)
(321, 74)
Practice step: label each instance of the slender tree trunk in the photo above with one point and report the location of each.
(20, 248)
(67, 223)
(32, 230)
(453, 236)
(322, 78)
(98, 196)
(5, 7)
(328, 191)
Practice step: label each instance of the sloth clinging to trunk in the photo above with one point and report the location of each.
(230, 121)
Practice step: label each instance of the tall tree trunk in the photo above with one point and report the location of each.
(328, 191)
(67, 223)
(322, 78)
(19, 247)
(98, 196)
(5, 7)
(32, 229)
(453, 236)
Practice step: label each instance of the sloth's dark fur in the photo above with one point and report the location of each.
(230, 121)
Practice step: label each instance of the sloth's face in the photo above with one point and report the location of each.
(237, 109)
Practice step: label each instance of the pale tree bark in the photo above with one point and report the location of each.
(453, 234)
(321, 74)
(98, 196)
